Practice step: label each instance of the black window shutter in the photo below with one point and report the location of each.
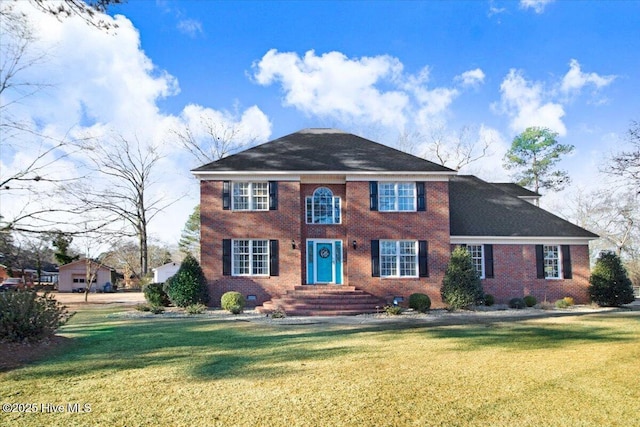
(375, 258)
(423, 257)
(566, 262)
(488, 261)
(273, 195)
(226, 257)
(540, 261)
(373, 195)
(421, 199)
(274, 258)
(226, 195)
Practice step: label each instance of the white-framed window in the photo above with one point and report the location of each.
(552, 262)
(250, 257)
(477, 257)
(398, 258)
(250, 196)
(323, 207)
(397, 196)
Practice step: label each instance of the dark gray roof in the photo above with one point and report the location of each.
(318, 150)
(515, 189)
(479, 208)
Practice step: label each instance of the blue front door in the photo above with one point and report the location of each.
(324, 257)
(324, 261)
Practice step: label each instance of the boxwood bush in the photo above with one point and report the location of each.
(530, 300)
(489, 300)
(232, 301)
(517, 303)
(27, 316)
(420, 302)
(188, 286)
(461, 285)
(155, 294)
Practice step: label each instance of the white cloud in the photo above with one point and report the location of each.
(538, 6)
(371, 90)
(190, 27)
(332, 85)
(575, 79)
(101, 83)
(471, 78)
(527, 104)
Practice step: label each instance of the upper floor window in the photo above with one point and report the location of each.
(397, 196)
(250, 196)
(323, 207)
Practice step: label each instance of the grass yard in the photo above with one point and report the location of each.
(581, 370)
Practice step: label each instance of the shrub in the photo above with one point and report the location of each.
(610, 285)
(142, 307)
(489, 300)
(461, 286)
(569, 301)
(195, 308)
(562, 303)
(27, 316)
(188, 286)
(232, 301)
(278, 313)
(530, 300)
(517, 303)
(156, 309)
(420, 302)
(155, 294)
(546, 305)
(393, 310)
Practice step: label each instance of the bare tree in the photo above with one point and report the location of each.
(91, 11)
(29, 188)
(626, 164)
(454, 150)
(124, 173)
(218, 140)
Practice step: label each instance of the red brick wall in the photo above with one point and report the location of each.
(365, 225)
(515, 275)
(218, 224)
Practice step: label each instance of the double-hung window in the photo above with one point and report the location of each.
(398, 258)
(250, 257)
(323, 207)
(477, 257)
(397, 196)
(250, 196)
(552, 262)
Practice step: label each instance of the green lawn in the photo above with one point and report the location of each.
(580, 370)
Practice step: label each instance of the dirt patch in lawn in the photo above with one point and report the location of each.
(15, 355)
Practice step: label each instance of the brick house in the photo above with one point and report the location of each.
(324, 207)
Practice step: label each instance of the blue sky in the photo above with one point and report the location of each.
(378, 69)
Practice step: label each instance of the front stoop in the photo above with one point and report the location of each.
(324, 300)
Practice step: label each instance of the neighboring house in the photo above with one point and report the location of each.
(162, 273)
(321, 206)
(72, 277)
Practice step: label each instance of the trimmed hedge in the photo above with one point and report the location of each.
(155, 295)
(188, 286)
(420, 302)
(232, 301)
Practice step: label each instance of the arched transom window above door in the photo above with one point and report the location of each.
(323, 207)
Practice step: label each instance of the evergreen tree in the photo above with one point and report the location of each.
(190, 237)
(188, 286)
(610, 285)
(461, 286)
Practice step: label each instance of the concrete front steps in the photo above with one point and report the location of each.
(324, 300)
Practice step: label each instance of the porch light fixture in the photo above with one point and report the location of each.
(355, 244)
(293, 244)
